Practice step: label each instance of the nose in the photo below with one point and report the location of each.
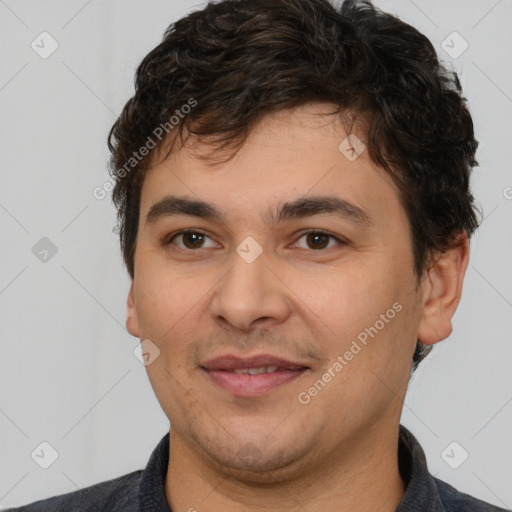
(251, 295)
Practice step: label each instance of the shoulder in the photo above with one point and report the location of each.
(120, 493)
(456, 501)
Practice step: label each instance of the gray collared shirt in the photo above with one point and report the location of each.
(144, 491)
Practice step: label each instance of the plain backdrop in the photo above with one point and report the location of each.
(69, 376)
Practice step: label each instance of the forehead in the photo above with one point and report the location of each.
(287, 157)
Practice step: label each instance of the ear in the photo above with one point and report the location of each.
(442, 290)
(132, 319)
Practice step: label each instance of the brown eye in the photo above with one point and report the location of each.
(190, 240)
(319, 240)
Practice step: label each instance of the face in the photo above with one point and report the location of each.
(327, 286)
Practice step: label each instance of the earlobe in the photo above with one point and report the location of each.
(442, 293)
(132, 320)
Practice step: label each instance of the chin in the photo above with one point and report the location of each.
(257, 460)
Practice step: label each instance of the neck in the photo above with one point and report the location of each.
(363, 477)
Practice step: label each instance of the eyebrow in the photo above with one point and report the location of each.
(307, 206)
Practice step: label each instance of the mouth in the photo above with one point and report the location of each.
(253, 376)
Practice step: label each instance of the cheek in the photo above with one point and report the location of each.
(346, 300)
(166, 300)
(366, 310)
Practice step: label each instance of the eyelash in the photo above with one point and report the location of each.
(169, 240)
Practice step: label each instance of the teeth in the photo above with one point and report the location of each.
(255, 371)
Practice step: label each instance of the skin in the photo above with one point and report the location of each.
(337, 452)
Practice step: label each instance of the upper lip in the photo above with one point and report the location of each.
(232, 362)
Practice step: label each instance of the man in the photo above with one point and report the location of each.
(292, 184)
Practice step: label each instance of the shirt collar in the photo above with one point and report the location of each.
(152, 485)
(421, 493)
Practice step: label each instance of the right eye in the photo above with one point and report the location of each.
(191, 239)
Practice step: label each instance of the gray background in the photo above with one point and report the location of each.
(68, 372)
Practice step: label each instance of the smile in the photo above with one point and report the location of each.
(252, 382)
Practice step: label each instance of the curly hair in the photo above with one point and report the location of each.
(242, 59)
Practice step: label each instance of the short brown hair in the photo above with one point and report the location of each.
(242, 59)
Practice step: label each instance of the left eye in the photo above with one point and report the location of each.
(317, 240)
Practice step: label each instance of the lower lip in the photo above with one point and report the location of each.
(246, 385)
